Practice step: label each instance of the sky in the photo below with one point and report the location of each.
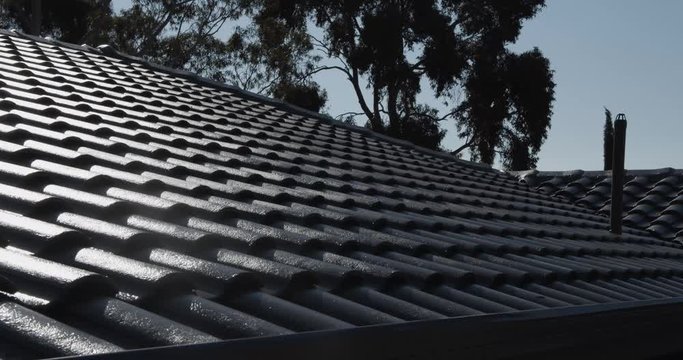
(626, 55)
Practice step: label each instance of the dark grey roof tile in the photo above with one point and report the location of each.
(10, 151)
(433, 302)
(38, 236)
(341, 308)
(178, 184)
(234, 236)
(216, 319)
(111, 318)
(212, 277)
(328, 274)
(659, 285)
(148, 204)
(391, 305)
(327, 235)
(394, 242)
(176, 235)
(640, 292)
(136, 280)
(481, 274)
(107, 234)
(127, 178)
(275, 275)
(51, 280)
(585, 293)
(29, 202)
(533, 296)
(157, 164)
(47, 337)
(68, 175)
(136, 146)
(17, 175)
(243, 190)
(285, 313)
(421, 276)
(451, 274)
(502, 298)
(106, 157)
(282, 237)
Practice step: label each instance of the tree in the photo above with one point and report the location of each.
(608, 140)
(388, 50)
(182, 34)
(75, 21)
(507, 107)
(176, 33)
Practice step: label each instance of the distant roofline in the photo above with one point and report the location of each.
(579, 172)
(109, 50)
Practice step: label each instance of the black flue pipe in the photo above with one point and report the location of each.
(616, 209)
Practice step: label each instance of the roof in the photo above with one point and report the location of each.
(145, 207)
(653, 199)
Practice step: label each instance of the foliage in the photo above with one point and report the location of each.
(608, 140)
(507, 107)
(390, 50)
(176, 33)
(74, 21)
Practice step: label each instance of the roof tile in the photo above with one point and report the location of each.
(143, 207)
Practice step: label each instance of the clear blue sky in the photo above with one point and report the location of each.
(623, 54)
(626, 55)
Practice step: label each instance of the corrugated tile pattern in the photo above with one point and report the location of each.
(141, 207)
(653, 199)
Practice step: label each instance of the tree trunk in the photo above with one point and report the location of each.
(36, 16)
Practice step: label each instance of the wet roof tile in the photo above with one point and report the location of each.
(142, 207)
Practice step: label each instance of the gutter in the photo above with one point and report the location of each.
(626, 330)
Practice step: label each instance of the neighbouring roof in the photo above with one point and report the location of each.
(653, 199)
(145, 207)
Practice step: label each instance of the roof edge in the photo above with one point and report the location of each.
(587, 330)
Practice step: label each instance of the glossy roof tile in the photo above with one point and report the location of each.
(653, 199)
(141, 206)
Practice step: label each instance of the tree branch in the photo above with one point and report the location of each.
(361, 99)
(268, 85)
(351, 113)
(323, 68)
(464, 146)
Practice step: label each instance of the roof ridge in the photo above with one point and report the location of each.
(657, 171)
(110, 50)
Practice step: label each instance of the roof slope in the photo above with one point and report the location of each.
(653, 199)
(142, 207)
